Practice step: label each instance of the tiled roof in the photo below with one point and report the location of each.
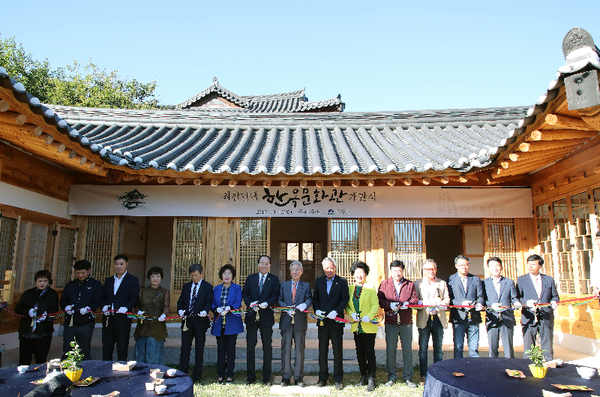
(290, 144)
(287, 102)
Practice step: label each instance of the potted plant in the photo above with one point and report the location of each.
(70, 365)
(538, 367)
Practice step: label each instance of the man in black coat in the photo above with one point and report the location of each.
(260, 291)
(80, 298)
(194, 303)
(533, 289)
(120, 293)
(330, 299)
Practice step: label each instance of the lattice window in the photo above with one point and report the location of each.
(502, 244)
(344, 245)
(187, 248)
(544, 230)
(99, 245)
(64, 255)
(31, 251)
(408, 244)
(8, 236)
(563, 255)
(583, 238)
(254, 242)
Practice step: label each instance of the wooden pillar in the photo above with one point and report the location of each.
(222, 247)
(525, 236)
(377, 247)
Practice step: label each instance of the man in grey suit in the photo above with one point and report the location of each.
(465, 289)
(293, 324)
(534, 289)
(500, 293)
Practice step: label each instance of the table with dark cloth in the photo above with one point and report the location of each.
(486, 376)
(128, 383)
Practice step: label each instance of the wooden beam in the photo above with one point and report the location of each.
(12, 118)
(520, 157)
(541, 146)
(556, 135)
(567, 123)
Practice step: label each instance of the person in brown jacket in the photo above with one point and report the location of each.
(395, 294)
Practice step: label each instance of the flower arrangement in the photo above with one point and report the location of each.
(70, 365)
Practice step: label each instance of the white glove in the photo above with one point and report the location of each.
(366, 319)
(254, 305)
(432, 311)
(354, 316)
(140, 312)
(467, 303)
(301, 307)
(31, 313)
(404, 306)
(263, 305)
(122, 310)
(227, 308)
(496, 307)
(441, 307)
(332, 315)
(181, 313)
(162, 317)
(42, 318)
(203, 313)
(531, 303)
(479, 307)
(420, 303)
(69, 309)
(553, 305)
(290, 312)
(84, 310)
(394, 305)
(105, 309)
(319, 312)
(220, 310)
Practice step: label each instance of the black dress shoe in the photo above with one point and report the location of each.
(197, 380)
(322, 383)
(250, 381)
(229, 381)
(339, 385)
(220, 381)
(362, 381)
(300, 383)
(285, 382)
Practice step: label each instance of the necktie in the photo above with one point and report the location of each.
(194, 296)
(261, 283)
(538, 281)
(294, 293)
(464, 283)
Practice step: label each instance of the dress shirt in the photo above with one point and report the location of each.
(464, 280)
(432, 292)
(118, 282)
(537, 283)
(496, 281)
(197, 286)
(329, 282)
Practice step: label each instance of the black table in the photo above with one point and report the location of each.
(487, 377)
(130, 383)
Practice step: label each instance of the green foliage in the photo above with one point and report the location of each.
(74, 357)
(76, 84)
(536, 355)
(37, 76)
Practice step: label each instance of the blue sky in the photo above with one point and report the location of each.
(379, 55)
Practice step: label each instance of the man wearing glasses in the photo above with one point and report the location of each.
(431, 321)
(465, 290)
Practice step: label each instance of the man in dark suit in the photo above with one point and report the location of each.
(80, 298)
(533, 289)
(330, 300)
(465, 289)
(260, 291)
(500, 296)
(193, 304)
(120, 293)
(293, 325)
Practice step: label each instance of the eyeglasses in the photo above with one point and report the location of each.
(429, 269)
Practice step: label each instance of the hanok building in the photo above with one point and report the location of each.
(223, 178)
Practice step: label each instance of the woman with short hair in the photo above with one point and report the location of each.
(150, 334)
(362, 308)
(227, 296)
(35, 329)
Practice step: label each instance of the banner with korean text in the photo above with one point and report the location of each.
(328, 202)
